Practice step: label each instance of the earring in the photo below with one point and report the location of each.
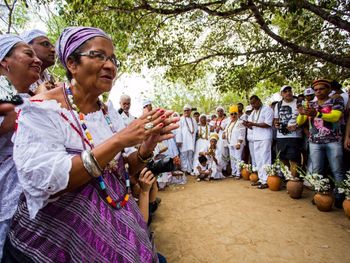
(73, 82)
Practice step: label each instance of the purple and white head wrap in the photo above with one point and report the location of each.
(28, 36)
(7, 42)
(72, 38)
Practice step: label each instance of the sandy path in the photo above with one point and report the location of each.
(230, 221)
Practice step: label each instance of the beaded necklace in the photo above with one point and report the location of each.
(256, 120)
(201, 133)
(188, 127)
(113, 203)
(229, 130)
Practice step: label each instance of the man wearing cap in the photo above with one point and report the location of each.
(45, 51)
(289, 135)
(125, 103)
(186, 138)
(147, 105)
(309, 94)
(324, 115)
(259, 136)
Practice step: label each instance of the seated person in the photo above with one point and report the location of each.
(203, 169)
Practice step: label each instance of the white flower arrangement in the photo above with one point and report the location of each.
(344, 187)
(287, 173)
(318, 182)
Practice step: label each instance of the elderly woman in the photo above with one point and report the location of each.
(74, 164)
(19, 68)
(235, 136)
(202, 138)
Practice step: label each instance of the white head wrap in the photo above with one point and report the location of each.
(187, 107)
(28, 36)
(220, 108)
(7, 42)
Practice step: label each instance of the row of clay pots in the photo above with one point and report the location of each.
(323, 201)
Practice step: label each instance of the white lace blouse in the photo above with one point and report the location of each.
(41, 146)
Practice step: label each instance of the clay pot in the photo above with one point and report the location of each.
(274, 182)
(324, 201)
(346, 207)
(295, 188)
(245, 174)
(253, 177)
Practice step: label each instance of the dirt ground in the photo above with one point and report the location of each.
(231, 221)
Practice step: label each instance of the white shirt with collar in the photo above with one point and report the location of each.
(263, 115)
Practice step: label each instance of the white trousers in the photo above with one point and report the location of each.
(235, 156)
(186, 161)
(260, 152)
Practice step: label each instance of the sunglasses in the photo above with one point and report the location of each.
(233, 113)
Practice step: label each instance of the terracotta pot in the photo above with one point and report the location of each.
(323, 201)
(274, 182)
(245, 174)
(346, 207)
(253, 177)
(295, 188)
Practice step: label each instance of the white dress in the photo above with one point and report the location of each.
(42, 151)
(10, 188)
(216, 168)
(202, 141)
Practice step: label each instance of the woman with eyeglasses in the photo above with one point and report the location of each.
(75, 159)
(19, 68)
(235, 136)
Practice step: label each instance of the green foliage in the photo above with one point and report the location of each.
(233, 51)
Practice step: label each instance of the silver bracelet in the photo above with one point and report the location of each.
(90, 165)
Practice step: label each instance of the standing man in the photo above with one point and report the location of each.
(186, 138)
(146, 105)
(196, 116)
(324, 116)
(289, 135)
(45, 51)
(259, 126)
(125, 103)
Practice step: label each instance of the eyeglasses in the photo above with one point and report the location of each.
(233, 113)
(46, 44)
(102, 57)
(186, 110)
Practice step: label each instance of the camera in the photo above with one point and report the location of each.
(283, 129)
(161, 166)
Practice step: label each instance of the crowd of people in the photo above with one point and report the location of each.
(309, 132)
(77, 184)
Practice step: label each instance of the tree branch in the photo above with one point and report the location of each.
(335, 59)
(333, 19)
(180, 9)
(231, 54)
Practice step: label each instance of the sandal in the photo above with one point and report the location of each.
(256, 183)
(263, 186)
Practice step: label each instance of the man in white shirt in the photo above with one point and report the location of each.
(259, 126)
(125, 103)
(289, 136)
(186, 138)
(45, 51)
(147, 105)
